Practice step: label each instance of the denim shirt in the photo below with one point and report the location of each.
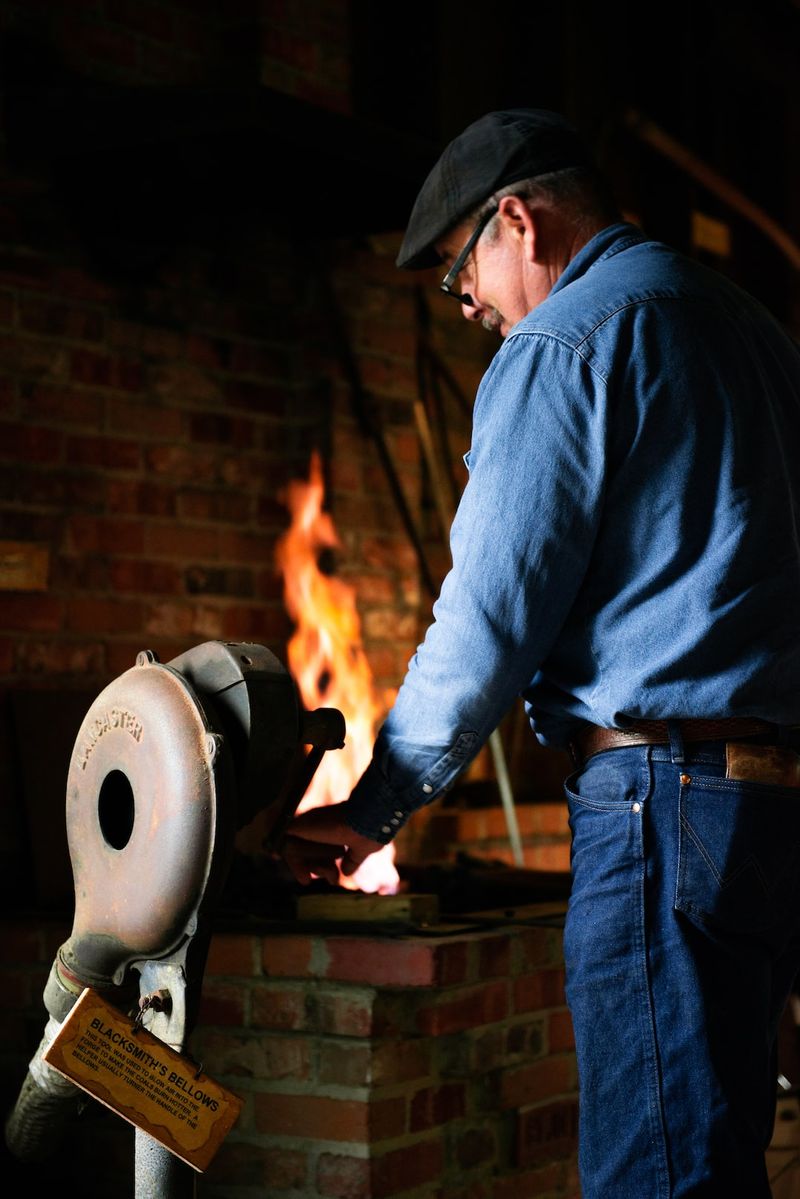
(627, 543)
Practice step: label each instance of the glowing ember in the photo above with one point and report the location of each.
(328, 663)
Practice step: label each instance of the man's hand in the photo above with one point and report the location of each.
(318, 839)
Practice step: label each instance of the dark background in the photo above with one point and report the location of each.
(141, 168)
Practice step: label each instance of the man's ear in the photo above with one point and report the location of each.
(520, 223)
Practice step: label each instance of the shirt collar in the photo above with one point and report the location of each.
(605, 244)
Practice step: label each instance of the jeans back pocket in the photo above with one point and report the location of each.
(739, 856)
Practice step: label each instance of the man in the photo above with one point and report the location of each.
(625, 557)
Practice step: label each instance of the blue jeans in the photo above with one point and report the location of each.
(682, 944)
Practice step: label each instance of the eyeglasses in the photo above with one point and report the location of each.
(446, 284)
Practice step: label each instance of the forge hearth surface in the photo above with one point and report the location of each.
(262, 888)
(472, 884)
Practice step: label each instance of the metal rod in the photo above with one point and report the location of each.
(426, 440)
(159, 1173)
(369, 425)
(507, 796)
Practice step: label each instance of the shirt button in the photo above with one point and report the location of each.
(427, 788)
(637, 807)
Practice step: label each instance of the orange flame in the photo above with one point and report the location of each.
(328, 663)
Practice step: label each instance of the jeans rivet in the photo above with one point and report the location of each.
(686, 779)
(637, 807)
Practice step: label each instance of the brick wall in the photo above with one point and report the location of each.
(370, 1066)
(148, 424)
(154, 406)
(153, 409)
(145, 448)
(300, 47)
(482, 833)
(147, 451)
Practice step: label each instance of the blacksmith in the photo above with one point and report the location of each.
(626, 558)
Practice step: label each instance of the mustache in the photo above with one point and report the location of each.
(492, 320)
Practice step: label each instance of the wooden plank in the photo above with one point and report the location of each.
(356, 906)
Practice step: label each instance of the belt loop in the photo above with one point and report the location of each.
(676, 751)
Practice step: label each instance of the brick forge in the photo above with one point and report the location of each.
(431, 1064)
(452, 1052)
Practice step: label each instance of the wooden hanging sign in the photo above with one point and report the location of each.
(143, 1080)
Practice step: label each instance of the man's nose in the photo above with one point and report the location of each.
(471, 309)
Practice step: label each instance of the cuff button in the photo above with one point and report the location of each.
(427, 788)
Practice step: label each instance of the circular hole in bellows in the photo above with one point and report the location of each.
(116, 809)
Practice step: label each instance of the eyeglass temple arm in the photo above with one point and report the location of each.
(447, 283)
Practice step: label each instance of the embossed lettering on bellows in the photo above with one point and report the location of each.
(114, 718)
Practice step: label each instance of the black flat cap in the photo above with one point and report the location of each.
(498, 149)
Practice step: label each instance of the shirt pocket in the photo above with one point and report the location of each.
(739, 856)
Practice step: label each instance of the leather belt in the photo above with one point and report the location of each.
(593, 738)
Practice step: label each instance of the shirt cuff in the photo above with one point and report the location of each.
(378, 811)
(374, 810)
